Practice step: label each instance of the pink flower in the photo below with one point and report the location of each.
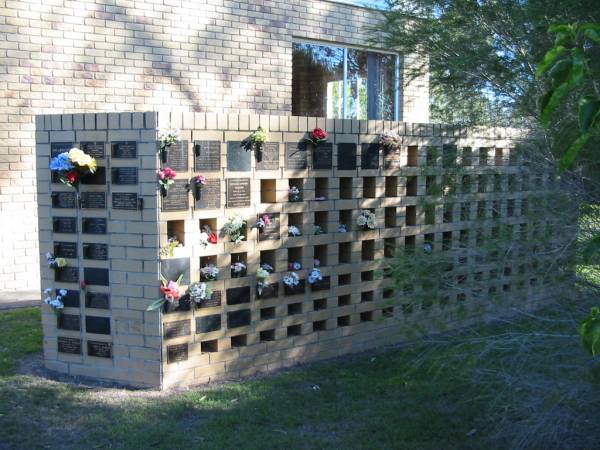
(318, 134)
(266, 219)
(200, 179)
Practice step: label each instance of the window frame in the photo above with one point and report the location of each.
(345, 48)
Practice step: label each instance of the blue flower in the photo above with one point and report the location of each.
(61, 162)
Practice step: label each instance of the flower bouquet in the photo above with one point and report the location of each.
(171, 295)
(294, 231)
(294, 265)
(263, 221)
(169, 249)
(261, 275)
(166, 177)
(238, 269)
(71, 166)
(314, 275)
(390, 141)
(366, 220)
(199, 292)
(235, 229)
(343, 228)
(256, 140)
(55, 263)
(294, 194)
(168, 137)
(209, 272)
(207, 236)
(319, 230)
(317, 136)
(198, 182)
(56, 303)
(292, 284)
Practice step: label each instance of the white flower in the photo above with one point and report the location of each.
(366, 219)
(314, 276)
(62, 292)
(210, 271)
(262, 274)
(291, 280)
(267, 267)
(238, 267)
(204, 239)
(294, 231)
(342, 228)
(47, 291)
(361, 221)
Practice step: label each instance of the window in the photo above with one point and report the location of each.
(337, 82)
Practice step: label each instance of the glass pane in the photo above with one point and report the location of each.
(317, 80)
(386, 86)
(356, 89)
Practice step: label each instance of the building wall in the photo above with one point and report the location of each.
(204, 55)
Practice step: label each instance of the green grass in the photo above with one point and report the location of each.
(481, 389)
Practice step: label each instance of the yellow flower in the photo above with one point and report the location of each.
(61, 262)
(82, 159)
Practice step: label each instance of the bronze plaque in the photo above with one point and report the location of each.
(99, 349)
(295, 156)
(176, 353)
(267, 157)
(177, 156)
(238, 192)
(177, 198)
(207, 155)
(69, 345)
(176, 329)
(209, 195)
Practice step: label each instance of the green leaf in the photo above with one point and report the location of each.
(558, 28)
(588, 110)
(567, 159)
(591, 248)
(575, 77)
(549, 59)
(590, 332)
(157, 304)
(559, 71)
(592, 35)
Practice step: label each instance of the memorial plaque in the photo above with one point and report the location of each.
(177, 156)
(63, 200)
(67, 274)
(267, 158)
(93, 225)
(99, 349)
(94, 149)
(269, 232)
(299, 289)
(321, 285)
(57, 148)
(369, 156)
(68, 322)
(125, 200)
(97, 300)
(124, 150)
(270, 291)
(238, 295)
(176, 329)
(238, 158)
(176, 353)
(236, 319)
(172, 269)
(96, 276)
(295, 156)
(346, 156)
(96, 178)
(71, 299)
(93, 200)
(238, 192)
(208, 155)
(391, 159)
(69, 345)
(212, 302)
(95, 251)
(323, 156)
(97, 325)
(67, 225)
(124, 175)
(65, 249)
(177, 198)
(206, 324)
(209, 195)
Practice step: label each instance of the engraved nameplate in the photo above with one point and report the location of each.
(209, 195)
(93, 225)
(94, 149)
(67, 225)
(370, 156)
(270, 291)
(124, 150)
(177, 198)
(125, 200)
(323, 156)
(267, 158)
(95, 276)
(212, 302)
(97, 325)
(68, 322)
(63, 200)
(238, 295)
(346, 156)
(65, 249)
(177, 156)
(124, 175)
(95, 251)
(57, 148)
(97, 300)
(69, 345)
(207, 324)
(67, 274)
(237, 319)
(208, 155)
(99, 349)
(93, 200)
(238, 192)
(238, 158)
(176, 329)
(271, 231)
(176, 353)
(295, 156)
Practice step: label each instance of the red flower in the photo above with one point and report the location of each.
(318, 134)
(212, 238)
(170, 293)
(72, 176)
(82, 284)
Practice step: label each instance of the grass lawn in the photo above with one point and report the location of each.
(494, 387)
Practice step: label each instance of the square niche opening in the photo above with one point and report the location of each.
(368, 296)
(321, 188)
(409, 244)
(241, 340)
(447, 240)
(345, 252)
(296, 219)
(344, 279)
(467, 156)
(387, 312)
(430, 185)
(499, 157)
(366, 316)
(294, 308)
(368, 250)
(369, 187)
(432, 155)
(268, 191)
(267, 313)
(297, 183)
(388, 293)
(268, 257)
(448, 214)
(321, 222)
(239, 258)
(483, 156)
(390, 217)
(294, 330)
(391, 186)
(205, 261)
(411, 186)
(295, 255)
(267, 335)
(344, 300)
(206, 224)
(482, 183)
(319, 304)
(346, 188)
(367, 275)
(319, 325)
(320, 252)
(429, 214)
(389, 247)
(343, 321)
(176, 230)
(412, 156)
(411, 216)
(346, 218)
(209, 346)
